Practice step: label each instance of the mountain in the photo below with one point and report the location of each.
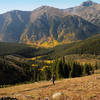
(88, 3)
(48, 26)
(88, 10)
(58, 29)
(43, 26)
(12, 25)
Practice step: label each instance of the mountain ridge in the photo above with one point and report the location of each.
(88, 3)
(90, 13)
(48, 26)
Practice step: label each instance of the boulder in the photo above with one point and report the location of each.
(58, 96)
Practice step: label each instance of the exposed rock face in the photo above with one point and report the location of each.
(88, 3)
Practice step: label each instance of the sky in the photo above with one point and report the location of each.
(29, 5)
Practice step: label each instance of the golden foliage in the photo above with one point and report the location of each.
(34, 65)
(44, 67)
(33, 58)
(38, 57)
(50, 44)
(48, 61)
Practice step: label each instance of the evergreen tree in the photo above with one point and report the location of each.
(86, 70)
(64, 68)
(59, 69)
(66, 71)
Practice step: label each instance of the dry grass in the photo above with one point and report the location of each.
(84, 88)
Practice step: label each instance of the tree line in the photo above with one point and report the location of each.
(11, 74)
(63, 69)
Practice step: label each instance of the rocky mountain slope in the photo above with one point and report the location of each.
(47, 26)
(56, 29)
(12, 25)
(88, 10)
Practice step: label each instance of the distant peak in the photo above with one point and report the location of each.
(44, 7)
(88, 3)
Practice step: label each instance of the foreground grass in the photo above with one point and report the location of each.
(84, 88)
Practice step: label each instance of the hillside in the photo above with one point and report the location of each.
(14, 70)
(84, 88)
(88, 46)
(22, 50)
(14, 48)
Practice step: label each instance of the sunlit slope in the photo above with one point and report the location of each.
(85, 88)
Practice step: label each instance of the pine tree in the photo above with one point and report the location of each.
(66, 71)
(71, 65)
(86, 70)
(64, 68)
(59, 69)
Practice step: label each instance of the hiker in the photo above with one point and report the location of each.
(53, 79)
